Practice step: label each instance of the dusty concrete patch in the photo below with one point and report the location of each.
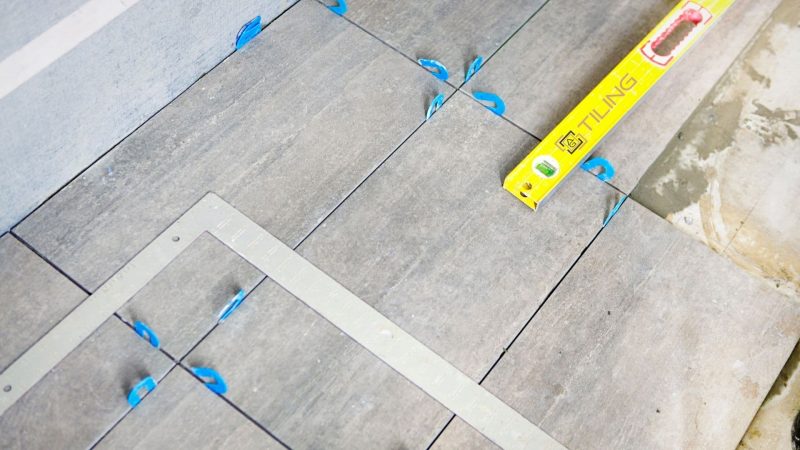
(729, 177)
(772, 426)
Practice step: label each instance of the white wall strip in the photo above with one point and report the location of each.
(401, 351)
(33, 57)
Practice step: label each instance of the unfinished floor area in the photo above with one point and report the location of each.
(673, 323)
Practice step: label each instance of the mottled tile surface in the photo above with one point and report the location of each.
(33, 298)
(183, 302)
(729, 177)
(434, 243)
(85, 394)
(283, 130)
(81, 105)
(183, 414)
(454, 32)
(22, 21)
(651, 341)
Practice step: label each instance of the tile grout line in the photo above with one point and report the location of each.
(136, 128)
(128, 411)
(237, 409)
(523, 328)
(50, 263)
(374, 36)
(179, 363)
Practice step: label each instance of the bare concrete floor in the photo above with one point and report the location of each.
(668, 328)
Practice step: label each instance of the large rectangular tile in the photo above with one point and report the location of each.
(181, 413)
(453, 32)
(730, 174)
(284, 130)
(435, 244)
(182, 303)
(569, 46)
(62, 119)
(651, 341)
(85, 394)
(22, 21)
(33, 298)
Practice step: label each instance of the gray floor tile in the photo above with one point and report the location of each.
(453, 32)
(183, 414)
(183, 302)
(311, 385)
(569, 46)
(22, 21)
(284, 130)
(85, 394)
(33, 298)
(652, 341)
(58, 122)
(435, 244)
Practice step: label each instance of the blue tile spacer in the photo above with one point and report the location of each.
(216, 384)
(133, 396)
(248, 32)
(608, 170)
(474, 68)
(614, 210)
(147, 333)
(498, 107)
(435, 105)
(438, 69)
(340, 8)
(232, 305)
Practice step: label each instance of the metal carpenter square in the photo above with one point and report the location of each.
(398, 349)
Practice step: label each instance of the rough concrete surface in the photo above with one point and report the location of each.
(729, 177)
(773, 424)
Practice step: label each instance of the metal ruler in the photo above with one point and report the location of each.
(572, 140)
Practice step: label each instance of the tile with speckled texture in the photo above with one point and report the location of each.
(284, 130)
(434, 243)
(33, 298)
(85, 394)
(181, 413)
(651, 341)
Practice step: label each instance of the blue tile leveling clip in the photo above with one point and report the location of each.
(435, 67)
(608, 170)
(216, 383)
(147, 333)
(248, 32)
(148, 384)
(498, 105)
(232, 305)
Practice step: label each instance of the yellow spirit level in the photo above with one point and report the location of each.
(572, 140)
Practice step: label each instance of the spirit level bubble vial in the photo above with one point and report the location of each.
(572, 140)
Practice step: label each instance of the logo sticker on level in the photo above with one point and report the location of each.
(571, 142)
